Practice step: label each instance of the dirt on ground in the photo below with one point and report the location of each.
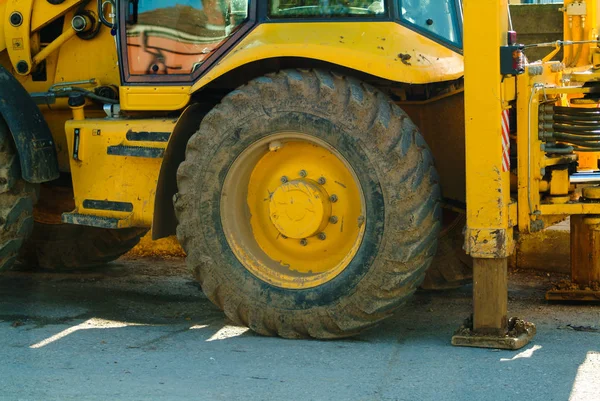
(163, 248)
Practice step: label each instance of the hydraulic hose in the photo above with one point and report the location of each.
(562, 150)
(576, 129)
(574, 111)
(571, 126)
(89, 94)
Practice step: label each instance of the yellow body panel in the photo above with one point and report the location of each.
(384, 49)
(98, 175)
(146, 98)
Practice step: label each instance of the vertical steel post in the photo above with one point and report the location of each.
(489, 235)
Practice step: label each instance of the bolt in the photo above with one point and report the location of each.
(361, 221)
(303, 242)
(79, 23)
(283, 236)
(302, 173)
(333, 198)
(322, 236)
(16, 19)
(22, 67)
(284, 179)
(322, 181)
(333, 219)
(274, 146)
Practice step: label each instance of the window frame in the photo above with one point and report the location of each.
(128, 79)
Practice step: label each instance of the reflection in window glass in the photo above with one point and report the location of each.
(438, 17)
(325, 8)
(176, 37)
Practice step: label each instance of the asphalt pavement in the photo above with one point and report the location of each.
(140, 329)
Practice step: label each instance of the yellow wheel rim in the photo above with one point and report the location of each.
(293, 211)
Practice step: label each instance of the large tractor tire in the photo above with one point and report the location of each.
(70, 247)
(16, 201)
(54, 245)
(308, 205)
(452, 267)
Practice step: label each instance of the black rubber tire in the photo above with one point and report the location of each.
(70, 247)
(395, 169)
(452, 267)
(17, 198)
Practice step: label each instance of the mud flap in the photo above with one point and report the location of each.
(30, 131)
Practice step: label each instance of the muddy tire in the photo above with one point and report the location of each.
(68, 247)
(16, 201)
(452, 267)
(395, 170)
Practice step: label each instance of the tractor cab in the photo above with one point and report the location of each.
(168, 42)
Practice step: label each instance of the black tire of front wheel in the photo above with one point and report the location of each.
(392, 163)
(68, 247)
(16, 201)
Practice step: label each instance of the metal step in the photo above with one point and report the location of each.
(95, 221)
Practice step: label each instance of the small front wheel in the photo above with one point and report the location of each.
(16, 201)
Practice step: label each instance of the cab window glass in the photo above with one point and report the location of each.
(440, 18)
(325, 8)
(176, 37)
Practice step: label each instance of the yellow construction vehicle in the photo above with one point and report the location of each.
(291, 148)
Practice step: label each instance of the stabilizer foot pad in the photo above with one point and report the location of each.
(520, 334)
(573, 295)
(569, 291)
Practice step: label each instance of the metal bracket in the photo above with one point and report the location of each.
(17, 31)
(576, 295)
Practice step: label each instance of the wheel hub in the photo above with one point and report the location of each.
(300, 208)
(292, 210)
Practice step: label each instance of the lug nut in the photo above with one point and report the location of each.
(275, 146)
(284, 179)
(333, 198)
(303, 242)
(302, 173)
(322, 236)
(322, 181)
(333, 219)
